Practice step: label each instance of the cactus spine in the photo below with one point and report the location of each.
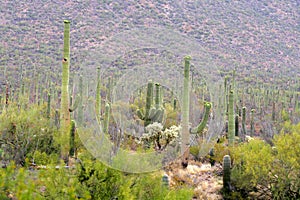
(65, 114)
(231, 120)
(226, 173)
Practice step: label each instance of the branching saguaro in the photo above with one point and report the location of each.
(186, 130)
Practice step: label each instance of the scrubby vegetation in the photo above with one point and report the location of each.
(170, 102)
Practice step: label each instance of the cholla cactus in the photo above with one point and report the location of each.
(171, 134)
(161, 139)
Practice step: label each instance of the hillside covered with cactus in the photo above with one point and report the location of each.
(258, 38)
(150, 100)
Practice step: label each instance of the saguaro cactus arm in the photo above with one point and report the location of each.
(198, 129)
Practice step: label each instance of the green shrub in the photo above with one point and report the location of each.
(16, 184)
(24, 130)
(106, 183)
(60, 183)
(252, 164)
(285, 173)
(275, 169)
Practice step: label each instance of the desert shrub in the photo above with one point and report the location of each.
(16, 184)
(60, 183)
(101, 182)
(273, 170)
(24, 130)
(105, 183)
(252, 164)
(42, 158)
(285, 173)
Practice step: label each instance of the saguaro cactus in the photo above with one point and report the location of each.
(80, 106)
(98, 94)
(65, 114)
(106, 118)
(156, 112)
(185, 143)
(226, 173)
(252, 122)
(244, 121)
(72, 138)
(231, 120)
(48, 105)
(236, 127)
(7, 93)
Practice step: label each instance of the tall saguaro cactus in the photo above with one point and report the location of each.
(186, 131)
(244, 121)
(252, 122)
(185, 143)
(98, 94)
(65, 113)
(231, 119)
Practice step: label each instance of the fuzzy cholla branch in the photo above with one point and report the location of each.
(172, 133)
(159, 137)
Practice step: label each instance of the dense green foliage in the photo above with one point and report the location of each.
(27, 136)
(274, 170)
(89, 180)
(24, 130)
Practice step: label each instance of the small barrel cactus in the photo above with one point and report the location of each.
(226, 173)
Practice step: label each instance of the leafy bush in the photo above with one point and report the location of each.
(24, 130)
(16, 184)
(274, 170)
(285, 173)
(60, 183)
(106, 183)
(252, 164)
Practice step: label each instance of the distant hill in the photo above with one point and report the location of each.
(258, 38)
